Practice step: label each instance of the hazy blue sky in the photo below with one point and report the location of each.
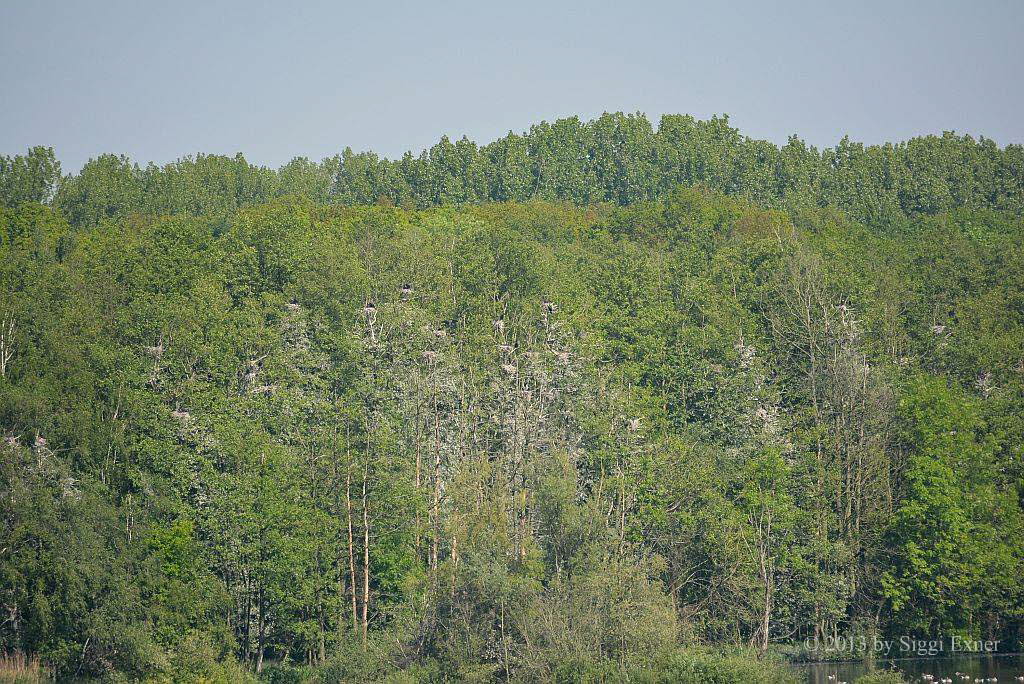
(157, 81)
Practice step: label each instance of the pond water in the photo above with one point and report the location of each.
(1005, 668)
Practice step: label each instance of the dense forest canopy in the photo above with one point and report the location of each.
(589, 401)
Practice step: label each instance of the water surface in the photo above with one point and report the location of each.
(1006, 668)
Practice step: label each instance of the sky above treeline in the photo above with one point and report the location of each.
(157, 81)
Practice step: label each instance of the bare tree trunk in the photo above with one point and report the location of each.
(419, 467)
(622, 510)
(366, 555)
(261, 631)
(455, 562)
(351, 543)
(247, 620)
(6, 341)
(767, 576)
(436, 514)
(504, 642)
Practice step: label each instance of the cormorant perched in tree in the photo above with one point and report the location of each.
(406, 291)
(370, 308)
(550, 307)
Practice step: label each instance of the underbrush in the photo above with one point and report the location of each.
(18, 668)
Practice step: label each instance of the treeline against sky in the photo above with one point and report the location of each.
(616, 158)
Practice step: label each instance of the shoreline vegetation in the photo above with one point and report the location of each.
(592, 403)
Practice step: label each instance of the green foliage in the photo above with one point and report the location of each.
(881, 677)
(107, 187)
(250, 432)
(32, 177)
(707, 667)
(956, 528)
